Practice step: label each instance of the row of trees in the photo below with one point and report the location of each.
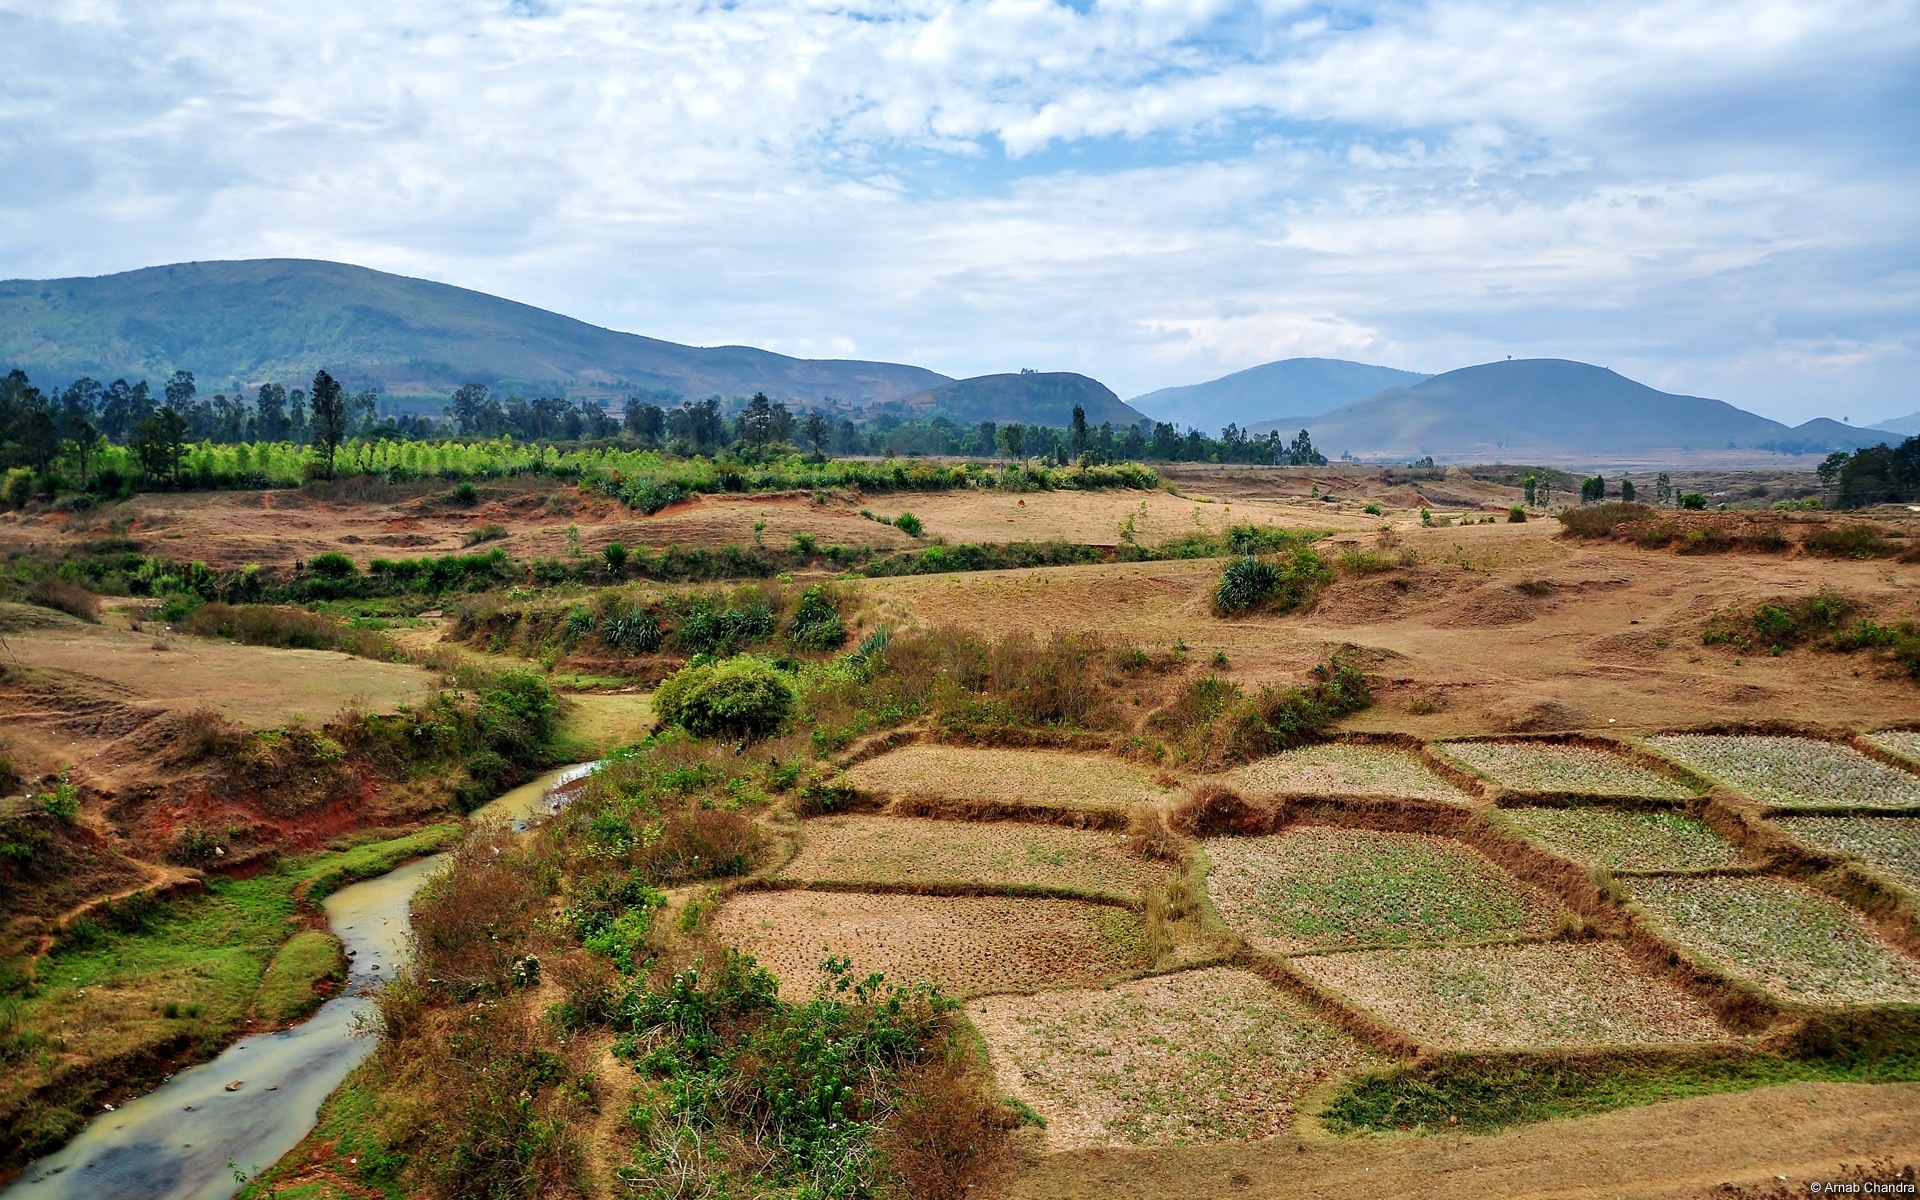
(1875, 475)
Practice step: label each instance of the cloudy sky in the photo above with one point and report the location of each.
(1714, 197)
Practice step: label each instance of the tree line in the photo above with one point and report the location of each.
(1874, 475)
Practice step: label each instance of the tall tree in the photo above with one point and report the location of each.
(1013, 440)
(180, 390)
(270, 412)
(817, 429)
(158, 442)
(468, 408)
(1077, 437)
(330, 418)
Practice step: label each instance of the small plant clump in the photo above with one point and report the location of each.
(1796, 943)
(1792, 772)
(1284, 585)
(1545, 767)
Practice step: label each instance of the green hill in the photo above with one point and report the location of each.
(1029, 397)
(278, 320)
(1307, 386)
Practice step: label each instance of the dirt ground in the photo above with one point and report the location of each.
(1603, 636)
(1680, 1149)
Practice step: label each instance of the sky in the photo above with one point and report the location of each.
(1715, 198)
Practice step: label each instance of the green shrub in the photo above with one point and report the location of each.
(614, 554)
(1849, 541)
(805, 545)
(909, 524)
(1693, 500)
(62, 800)
(631, 632)
(1516, 515)
(816, 622)
(741, 696)
(1372, 510)
(333, 565)
(465, 494)
(1601, 520)
(1246, 582)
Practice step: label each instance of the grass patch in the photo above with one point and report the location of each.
(1631, 840)
(1579, 770)
(1321, 888)
(289, 989)
(1338, 768)
(1486, 1095)
(1792, 772)
(895, 850)
(1191, 1058)
(1890, 843)
(1788, 939)
(1547, 994)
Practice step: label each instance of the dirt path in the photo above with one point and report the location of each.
(1682, 1148)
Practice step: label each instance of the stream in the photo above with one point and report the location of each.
(175, 1142)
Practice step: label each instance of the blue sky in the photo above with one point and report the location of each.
(1714, 198)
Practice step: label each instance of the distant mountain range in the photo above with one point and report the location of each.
(1031, 397)
(1303, 387)
(279, 320)
(1907, 426)
(1550, 407)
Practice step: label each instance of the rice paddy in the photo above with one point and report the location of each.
(1195, 1057)
(1048, 777)
(1317, 888)
(1793, 772)
(1890, 843)
(1552, 768)
(1626, 840)
(967, 946)
(1344, 769)
(907, 851)
(1544, 994)
(1792, 941)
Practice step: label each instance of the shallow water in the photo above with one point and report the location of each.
(175, 1142)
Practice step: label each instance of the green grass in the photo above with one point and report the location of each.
(287, 989)
(1318, 888)
(328, 873)
(1485, 1095)
(1630, 840)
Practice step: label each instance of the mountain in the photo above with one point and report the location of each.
(1309, 386)
(278, 320)
(1539, 408)
(1907, 426)
(1823, 435)
(1030, 397)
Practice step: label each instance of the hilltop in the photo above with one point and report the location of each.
(1549, 407)
(1304, 387)
(253, 321)
(1033, 397)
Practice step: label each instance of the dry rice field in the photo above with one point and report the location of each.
(1040, 777)
(1202, 1056)
(1579, 770)
(1341, 769)
(1890, 843)
(1626, 840)
(1540, 995)
(1792, 772)
(907, 851)
(967, 946)
(1318, 888)
(1794, 942)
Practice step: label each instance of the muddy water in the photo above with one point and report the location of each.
(175, 1143)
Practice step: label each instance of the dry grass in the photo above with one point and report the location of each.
(901, 850)
(1314, 888)
(1200, 1056)
(1786, 938)
(1632, 840)
(1338, 769)
(1792, 771)
(1548, 994)
(1545, 767)
(1890, 843)
(968, 946)
(1049, 777)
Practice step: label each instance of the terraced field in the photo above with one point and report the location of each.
(1202, 1056)
(1626, 840)
(1904, 742)
(968, 946)
(1792, 941)
(1792, 772)
(901, 850)
(1890, 843)
(1342, 769)
(1321, 888)
(1049, 777)
(1543, 994)
(1580, 770)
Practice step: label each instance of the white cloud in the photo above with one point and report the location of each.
(1142, 190)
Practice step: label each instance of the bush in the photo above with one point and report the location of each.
(1601, 520)
(816, 623)
(465, 494)
(1372, 510)
(1516, 515)
(333, 565)
(614, 554)
(1693, 500)
(1246, 582)
(1849, 541)
(632, 632)
(909, 524)
(68, 598)
(741, 696)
